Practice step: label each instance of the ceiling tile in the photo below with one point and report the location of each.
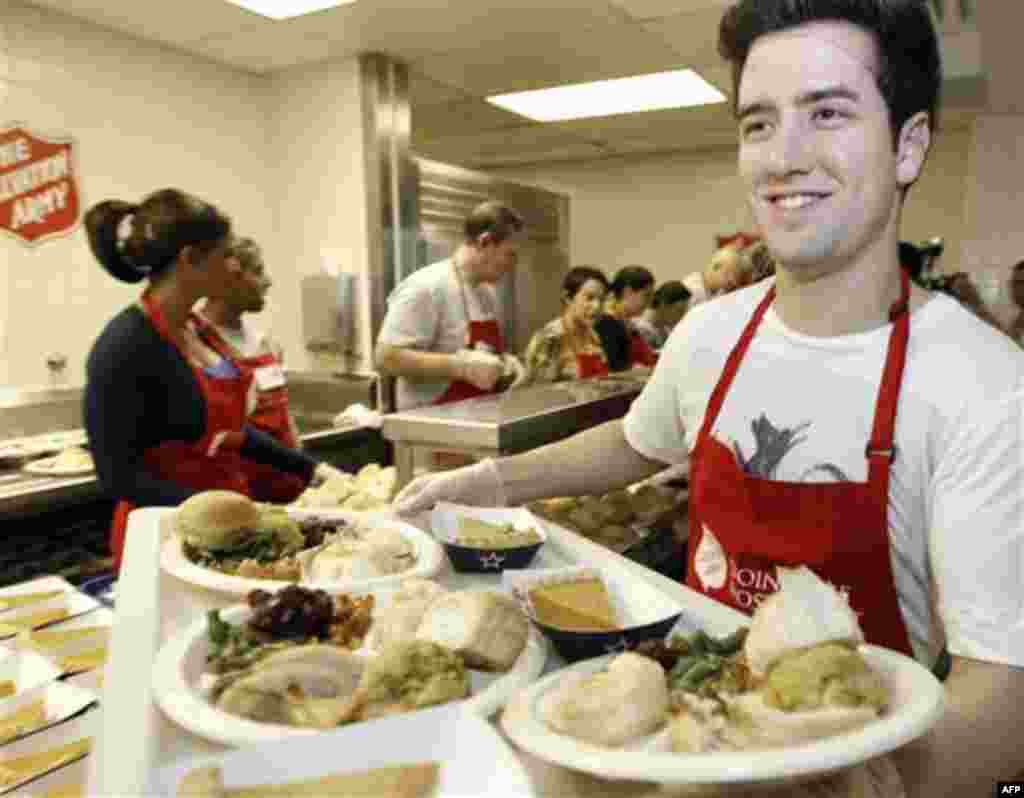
(424, 91)
(174, 22)
(457, 118)
(693, 36)
(512, 145)
(652, 9)
(520, 63)
(267, 50)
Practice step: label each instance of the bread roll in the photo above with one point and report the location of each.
(400, 617)
(214, 518)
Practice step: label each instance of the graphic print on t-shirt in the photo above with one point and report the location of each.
(772, 445)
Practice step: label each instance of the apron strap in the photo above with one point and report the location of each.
(732, 365)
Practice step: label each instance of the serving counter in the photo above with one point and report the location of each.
(510, 422)
(134, 736)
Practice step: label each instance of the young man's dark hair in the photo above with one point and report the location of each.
(495, 218)
(636, 278)
(910, 69)
(669, 293)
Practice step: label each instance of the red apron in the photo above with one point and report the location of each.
(484, 334)
(741, 526)
(640, 352)
(266, 483)
(211, 462)
(590, 364)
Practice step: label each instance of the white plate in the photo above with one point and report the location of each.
(182, 659)
(44, 584)
(47, 467)
(917, 703)
(474, 759)
(47, 443)
(429, 559)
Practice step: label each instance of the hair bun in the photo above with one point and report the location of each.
(102, 222)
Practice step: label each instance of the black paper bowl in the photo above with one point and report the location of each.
(573, 646)
(473, 560)
(477, 560)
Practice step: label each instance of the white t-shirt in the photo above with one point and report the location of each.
(956, 495)
(427, 311)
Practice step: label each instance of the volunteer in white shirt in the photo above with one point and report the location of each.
(441, 336)
(836, 415)
(252, 351)
(725, 272)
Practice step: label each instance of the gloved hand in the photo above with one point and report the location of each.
(514, 373)
(324, 472)
(479, 485)
(481, 369)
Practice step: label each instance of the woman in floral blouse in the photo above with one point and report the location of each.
(567, 348)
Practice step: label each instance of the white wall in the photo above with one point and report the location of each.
(143, 117)
(317, 194)
(664, 211)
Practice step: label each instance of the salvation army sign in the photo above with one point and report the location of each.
(38, 186)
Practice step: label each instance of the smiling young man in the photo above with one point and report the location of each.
(837, 416)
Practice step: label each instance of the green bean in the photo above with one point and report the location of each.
(682, 666)
(698, 673)
(698, 642)
(728, 645)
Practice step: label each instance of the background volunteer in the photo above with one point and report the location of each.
(837, 103)
(253, 351)
(441, 336)
(568, 348)
(629, 294)
(164, 411)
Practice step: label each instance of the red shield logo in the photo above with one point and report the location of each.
(38, 186)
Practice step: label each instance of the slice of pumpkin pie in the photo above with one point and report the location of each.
(580, 603)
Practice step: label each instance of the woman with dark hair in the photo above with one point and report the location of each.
(252, 351)
(670, 303)
(628, 296)
(567, 348)
(164, 409)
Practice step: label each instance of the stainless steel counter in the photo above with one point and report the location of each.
(510, 422)
(315, 398)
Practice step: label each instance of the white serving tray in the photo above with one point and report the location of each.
(429, 558)
(83, 726)
(180, 664)
(101, 620)
(62, 700)
(73, 602)
(44, 584)
(474, 759)
(27, 670)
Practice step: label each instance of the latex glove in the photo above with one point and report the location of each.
(324, 472)
(480, 369)
(479, 485)
(514, 373)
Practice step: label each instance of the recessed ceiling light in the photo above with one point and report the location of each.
(286, 9)
(679, 88)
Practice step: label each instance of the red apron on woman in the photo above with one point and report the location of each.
(209, 463)
(640, 352)
(266, 483)
(741, 527)
(591, 364)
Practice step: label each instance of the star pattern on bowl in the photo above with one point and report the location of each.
(620, 646)
(492, 560)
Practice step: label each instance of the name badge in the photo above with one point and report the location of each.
(269, 377)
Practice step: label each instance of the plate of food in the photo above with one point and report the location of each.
(299, 661)
(372, 488)
(441, 752)
(225, 542)
(799, 694)
(71, 462)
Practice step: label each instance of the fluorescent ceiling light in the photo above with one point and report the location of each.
(286, 9)
(679, 88)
